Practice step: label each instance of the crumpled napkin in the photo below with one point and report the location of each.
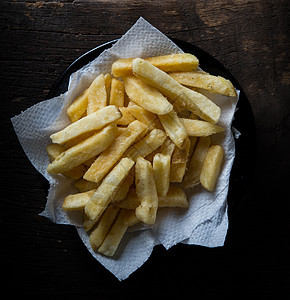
(204, 223)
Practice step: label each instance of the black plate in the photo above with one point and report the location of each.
(244, 163)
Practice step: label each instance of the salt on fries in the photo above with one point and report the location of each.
(136, 139)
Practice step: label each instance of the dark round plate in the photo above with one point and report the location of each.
(243, 167)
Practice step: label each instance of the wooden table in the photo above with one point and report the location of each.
(40, 39)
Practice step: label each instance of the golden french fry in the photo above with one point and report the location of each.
(54, 150)
(185, 97)
(198, 79)
(95, 121)
(97, 96)
(98, 235)
(178, 162)
(161, 172)
(77, 201)
(146, 96)
(112, 154)
(117, 93)
(83, 151)
(167, 63)
(200, 128)
(79, 106)
(103, 195)
(175, 197)
(174, 128)
(115, 235)
(147, 145)
(211, 167)
(146, 192)
(192, 175)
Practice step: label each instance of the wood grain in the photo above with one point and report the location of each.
(40, 39)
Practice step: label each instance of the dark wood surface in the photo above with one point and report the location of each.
(39, 40)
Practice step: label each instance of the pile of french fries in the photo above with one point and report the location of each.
(137, 138)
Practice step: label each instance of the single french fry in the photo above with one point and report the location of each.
(192, 175)
(95, 121)
(103, 195)
(83, 151)
(178, 162)
(115, 235)
(147, 145)
(167, 63)
(117, 93)
(54, 150)
(198, 79)
(98, 235)
(174, 128)
(185, 97)
(161, 172)
(200, 128)
(175, 197)
(83, 185)
(79, 106)
(211, 167)
(127, 118)
(97, 96)
(77, 201)
(106, 160)
(146, 192)
(146, 96)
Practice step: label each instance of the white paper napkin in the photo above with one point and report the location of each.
(204, 223)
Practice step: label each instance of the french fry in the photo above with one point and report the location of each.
(54, 150)
(167, 147)
(211, 167)
(77, 201)
(122, 191)
(178, 162)
(146, 96)
(200, 128)
(146, 192)
(117, 93)
(147, 145)
(98, 235)
(112, 154)
(78, 107)
(192, 175)
(185, 97)
(97, 96)
(115, 235)
(83, 151)
(167, 63)
(103, 195)
(95, 121)
(174, 128)
(198, 79)
(108, 80)
(161, 172)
